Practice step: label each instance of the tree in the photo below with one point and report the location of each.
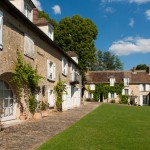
(42, 14)
(106, 61)
(141, 67)
(77, 34)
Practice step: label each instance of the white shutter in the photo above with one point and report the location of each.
(54, 71)
(130, 91)
(1, 29)
(28, 46)
(140, 87)
(66, 68)
(62, 65)
(51, 100)
(109, 95)
(115, 95)
(141, 100)
(147, 87)
(123, 92)
(48, 68)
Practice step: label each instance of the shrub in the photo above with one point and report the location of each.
(124, 99)
(112, 101)
(91, 100)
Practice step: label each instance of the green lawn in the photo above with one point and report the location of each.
(109, 127)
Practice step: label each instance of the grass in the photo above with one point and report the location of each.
(109, 127)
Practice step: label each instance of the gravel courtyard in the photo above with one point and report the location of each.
(31, 134)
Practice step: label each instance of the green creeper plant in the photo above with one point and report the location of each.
(105, 89)
(26, 79)
(59, 90)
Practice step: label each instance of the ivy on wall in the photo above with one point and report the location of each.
(26, 80)
(105, 89)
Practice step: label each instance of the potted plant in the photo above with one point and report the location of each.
(44, 106)
(37, 113)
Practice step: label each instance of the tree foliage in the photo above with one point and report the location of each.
(77, 34)
(141, 67)
(106, 61)
(42, 14)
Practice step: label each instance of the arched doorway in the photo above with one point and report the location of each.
(7, 100)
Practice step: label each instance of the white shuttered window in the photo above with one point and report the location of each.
(1, 29)
(64, 67)
(51, 70)
(28, 46)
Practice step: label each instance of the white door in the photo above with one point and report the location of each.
(7, 100)
(68, 97)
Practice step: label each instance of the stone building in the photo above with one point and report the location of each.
(33, 37)
(136, 85)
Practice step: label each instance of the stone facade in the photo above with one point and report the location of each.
(136, 85)
(15, 27)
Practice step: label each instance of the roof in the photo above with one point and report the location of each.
(104, 76)
(21, 17)
(72, 54)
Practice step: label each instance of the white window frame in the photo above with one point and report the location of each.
(144, 87)
(51, 70)
(112, 95)
(112, 81)
(28, 46)
(28, 11)
(126, 81)
(64, 67)
(1, 29)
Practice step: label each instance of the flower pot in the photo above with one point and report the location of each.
(44, 113)
(37, 115)
(22, 117)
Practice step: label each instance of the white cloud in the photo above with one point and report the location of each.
(131, 23)
(37, 4)
(130, 45)
(109, 10)
(139, 1)
(57, 9)
(130, 1)
(147, 13)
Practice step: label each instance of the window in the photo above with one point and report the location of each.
(126, 91)
(112, 95)
(126, 81)
(28, 11)
(51, 32)
(112, 81)
(144, 87)
(145, 100)
(51, 70)
(64, 67)
(1, 29)
(51, 99)
(28, 46)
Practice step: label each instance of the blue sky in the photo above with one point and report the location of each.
(123, 25)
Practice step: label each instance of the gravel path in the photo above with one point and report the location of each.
(31, 134)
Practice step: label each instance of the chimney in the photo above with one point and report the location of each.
(134, 70)
(148, 70)
(35, 14)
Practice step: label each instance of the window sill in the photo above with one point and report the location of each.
(52, 80)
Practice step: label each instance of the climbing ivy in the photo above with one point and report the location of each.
(59, 90)
(105, 89)
(26, 79)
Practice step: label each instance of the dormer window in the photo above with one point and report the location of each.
(28, 11)
(112, 81)
(126, 81)
(51, 32)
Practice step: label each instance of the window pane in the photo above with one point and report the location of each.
(1, 94)
(6, 94)
(6, 104)
(1, 85)
(6, 86)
